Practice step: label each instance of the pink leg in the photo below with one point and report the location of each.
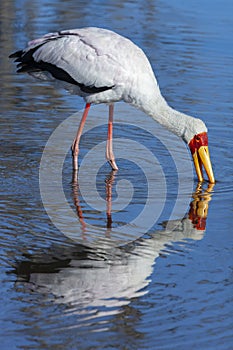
(109, 152)
(75, 145)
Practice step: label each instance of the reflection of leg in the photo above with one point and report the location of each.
(109, 183)
(109, 204)
(77, 203)
(109, 152)
(75, 145)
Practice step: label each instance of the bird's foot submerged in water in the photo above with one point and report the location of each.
(75, 152)
(113, 164)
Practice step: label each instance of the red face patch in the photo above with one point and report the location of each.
(198, 141)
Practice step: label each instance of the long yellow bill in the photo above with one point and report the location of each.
(202, 157)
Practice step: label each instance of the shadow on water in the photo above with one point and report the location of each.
(96, 283)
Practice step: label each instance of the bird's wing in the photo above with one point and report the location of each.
(90, 57)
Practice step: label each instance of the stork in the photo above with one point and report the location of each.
(104, 67)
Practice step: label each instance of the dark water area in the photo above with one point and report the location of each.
(139, 259)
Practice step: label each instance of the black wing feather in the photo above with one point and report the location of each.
(27, 64)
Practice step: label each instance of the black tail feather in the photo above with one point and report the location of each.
(16, 54)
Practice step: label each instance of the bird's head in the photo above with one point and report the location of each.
(197, 140)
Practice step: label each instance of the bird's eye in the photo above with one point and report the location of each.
(198, 138)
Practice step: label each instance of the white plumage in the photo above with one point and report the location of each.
(104, 67)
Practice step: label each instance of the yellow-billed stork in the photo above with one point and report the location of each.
(105, 67)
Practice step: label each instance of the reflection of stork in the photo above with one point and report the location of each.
(89, 278)
(104, 67)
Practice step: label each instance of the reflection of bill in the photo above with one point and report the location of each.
(199, 207)
(95, 278)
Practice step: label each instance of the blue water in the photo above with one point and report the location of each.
(85, 280)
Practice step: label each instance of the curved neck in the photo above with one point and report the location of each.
(147, 97)
(178, 123)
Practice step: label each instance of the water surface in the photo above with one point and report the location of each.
(167, 286)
